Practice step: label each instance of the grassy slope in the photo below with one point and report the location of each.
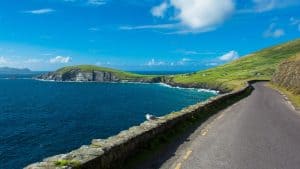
(294, 98)
(121, 74)
(260, 65)
(290, 93)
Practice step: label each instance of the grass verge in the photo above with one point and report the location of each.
(293, 98)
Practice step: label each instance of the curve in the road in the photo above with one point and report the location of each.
(261, 131)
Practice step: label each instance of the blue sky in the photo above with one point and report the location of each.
(141, 34)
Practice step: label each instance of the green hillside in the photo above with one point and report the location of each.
(89, 68)
(260, 65)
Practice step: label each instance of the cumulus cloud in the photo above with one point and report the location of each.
(190, 16)
(197, 14)
(60, 59)
(273, 32)
(232, 55)
(40, 11)
(159, 11)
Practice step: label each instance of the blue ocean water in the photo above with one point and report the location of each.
(39, 119)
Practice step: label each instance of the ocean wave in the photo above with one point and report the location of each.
(196, 89)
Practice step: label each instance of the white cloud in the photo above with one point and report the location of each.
(96, 2)
(194, 52)
(273, 32)
(267, 5)
(199, 15)
(260, 6)
(190, 16)
(3, 60)
(153, 62)
(40, 11)
(181, 62)
(17, 61)
(232, 55)
(161, 26)
(212, 64)
(33, 61)
(184, 61)
(60, 59)
(160, 10)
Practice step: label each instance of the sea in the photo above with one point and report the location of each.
(39, 119)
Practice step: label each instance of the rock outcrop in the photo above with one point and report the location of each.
(80, 76)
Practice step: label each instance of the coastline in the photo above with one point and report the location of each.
(164, 84)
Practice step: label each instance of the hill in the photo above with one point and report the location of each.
(95, 73)
(260, 65)
(9, 70)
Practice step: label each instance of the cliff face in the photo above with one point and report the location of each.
(288, 75)
(80, 76)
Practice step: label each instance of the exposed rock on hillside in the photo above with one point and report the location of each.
(90, 73)
(77, 75)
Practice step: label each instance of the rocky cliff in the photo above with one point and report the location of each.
(78, 75)
(288, 75)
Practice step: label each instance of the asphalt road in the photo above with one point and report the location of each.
(261, 131)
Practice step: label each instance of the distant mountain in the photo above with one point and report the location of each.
(9, 70)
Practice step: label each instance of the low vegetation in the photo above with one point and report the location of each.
(293, 98)
(67, 163)
(287, 79)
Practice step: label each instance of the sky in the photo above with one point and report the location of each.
(179, 35)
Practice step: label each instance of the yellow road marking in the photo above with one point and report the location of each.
(178, 166)
(188, 153)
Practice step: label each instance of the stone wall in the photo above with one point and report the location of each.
(113, 151)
